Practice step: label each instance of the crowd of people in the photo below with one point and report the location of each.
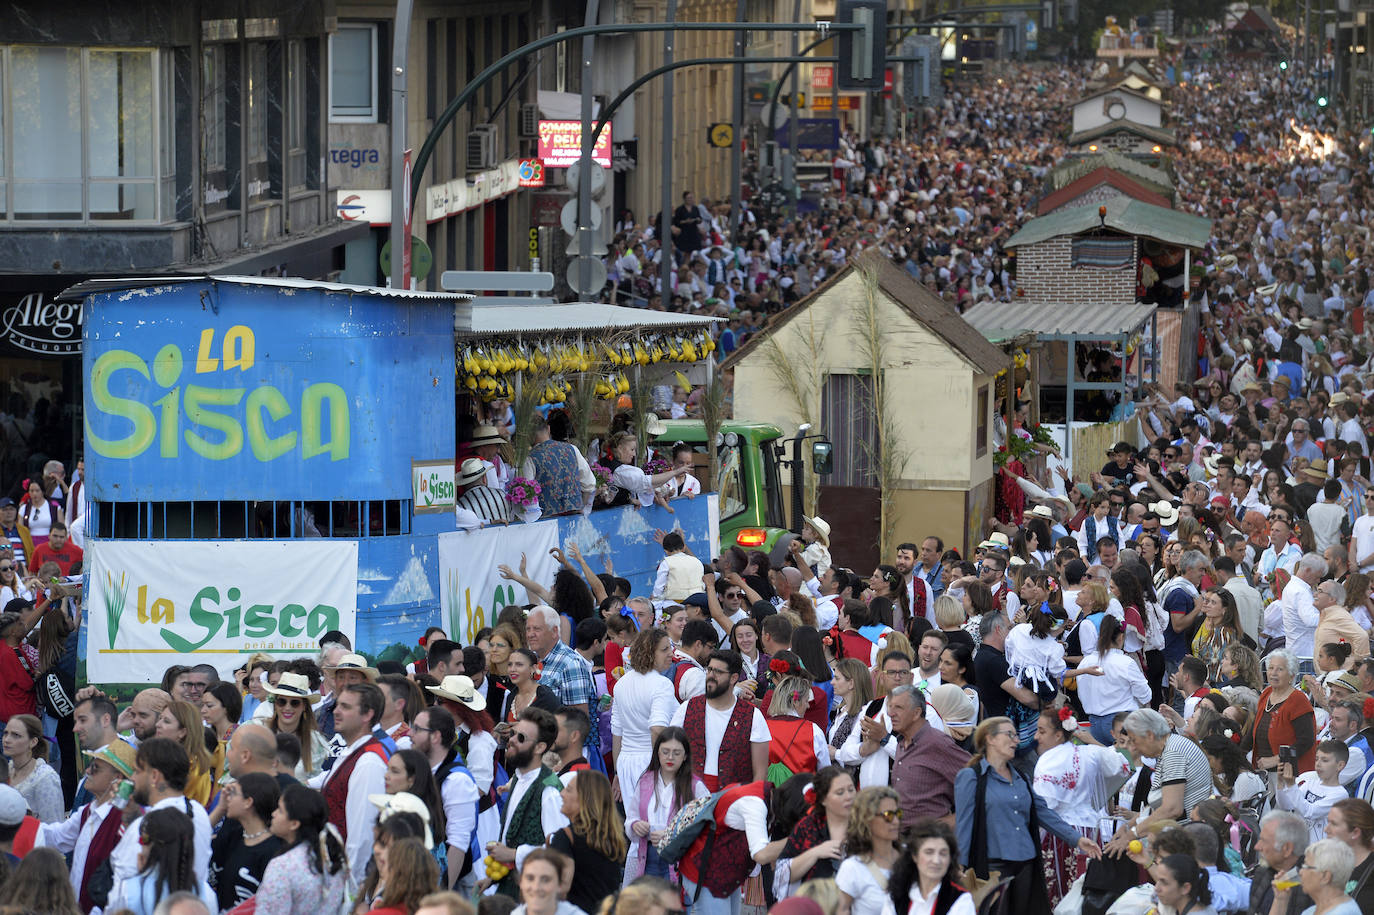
(1147, 691)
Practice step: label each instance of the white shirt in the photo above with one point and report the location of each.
(460, 797)
(715, 722)
(481, 758)
(1300, 617)
(551, 817)
(1122, 686)
(72, 838)
(875, 770)
(1363, 533)
(369, 777)
(857, 881)
(828, 612)
(692, 682)
(963, 904)
(642, 701)
(1249, 606)
(1311, 800)
(124, 858)
(1326, 519)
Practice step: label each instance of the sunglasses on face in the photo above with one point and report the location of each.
(891, 816)
(291, 703)
(519, 737)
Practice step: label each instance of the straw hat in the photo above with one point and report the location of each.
(1167, 511)
(355, 662)
(1269, 289)
(821, 527)
(293, 686)
(472, 470)
(486, 434)
(460, 689)
(1042, 511)
(1339, 397)
(403, 802)
(1227, 262)
(1315, 472)
(653, 425)
(118, 754)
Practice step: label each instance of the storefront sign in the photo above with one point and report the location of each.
(359, 156)
(214, 602)
(37, 324)
(847, 102)
(546, 207)
(822, 77)
(560, 144)
(531, 173)
(432, 486)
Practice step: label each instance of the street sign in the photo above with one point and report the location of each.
(822, 77)
(598, 173)
(421, 258)
(847, 102)
(567, 217)
(812, 133)
(720, 135)
(595, 275)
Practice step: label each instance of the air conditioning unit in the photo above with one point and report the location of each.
(482, 148)
(529, 121)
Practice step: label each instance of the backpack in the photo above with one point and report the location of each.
(696, 816)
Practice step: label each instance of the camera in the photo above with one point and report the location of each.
(1287, 755)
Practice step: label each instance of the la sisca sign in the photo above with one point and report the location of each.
(38, 324)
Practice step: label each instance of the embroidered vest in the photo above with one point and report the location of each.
(1091, 535)
(555, 467)
(336, 789)
(918, 599)
(736, 763)
(527, 821)
(103, 843)
(719, 859)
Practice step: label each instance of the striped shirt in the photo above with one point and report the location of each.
(486, 503)
(1182, 762)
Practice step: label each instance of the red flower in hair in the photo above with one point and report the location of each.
(828, 641)
(423, 641)
(809, 795)
(779, 666)
(1065, 713)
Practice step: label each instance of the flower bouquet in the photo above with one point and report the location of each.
(524, 495)
(602, 475)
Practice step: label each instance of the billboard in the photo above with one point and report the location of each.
(216, 602)
(560, 144)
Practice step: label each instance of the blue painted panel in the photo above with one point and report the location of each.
(217, 391)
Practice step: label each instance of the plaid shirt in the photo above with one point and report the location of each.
(569, 676)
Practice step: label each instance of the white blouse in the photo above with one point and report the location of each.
(1032, 661)
(1073, 781)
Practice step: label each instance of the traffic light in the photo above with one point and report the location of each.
(862, 54)
(1283, 65)
(1321, 101)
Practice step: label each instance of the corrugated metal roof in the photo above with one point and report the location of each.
(1070, 170)
(1131, 217)
(114, 284)
(1003, 320)
(573, 316)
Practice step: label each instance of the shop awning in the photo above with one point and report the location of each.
(999, 321)
(506, 320)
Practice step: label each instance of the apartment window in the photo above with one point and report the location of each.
(353, 73)
(296, 115)
(213, 107)
(90, 134)
(257, 102)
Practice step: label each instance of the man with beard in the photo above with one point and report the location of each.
(534, 805)
(161, 768)
(433, 733)
(922, 601)
(358, 771)
(568, 746)
(729, 737)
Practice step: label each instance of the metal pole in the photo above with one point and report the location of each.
(792, 131)
(737, 123)
(400, 50)
(584, 186)
(665, 216)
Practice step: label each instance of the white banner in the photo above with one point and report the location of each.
(152, 605)
(472, 592)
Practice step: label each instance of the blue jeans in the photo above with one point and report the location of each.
(655, 866)
(1102, 729)
(706, 904)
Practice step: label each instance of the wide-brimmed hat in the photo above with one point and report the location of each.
(1268, 289)
(1344, 679)
(471, 470)
(1227, 262)
(1042, 511)
(821, 527)
(402, 802)
(355, 662)
(1339, 397)
(653, 425)
(487, 434)
(460, 689)
(1315, 472)
(1167, 511)
(118, 754)
(293, 686)
(1284, 380)
(1251, 386)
